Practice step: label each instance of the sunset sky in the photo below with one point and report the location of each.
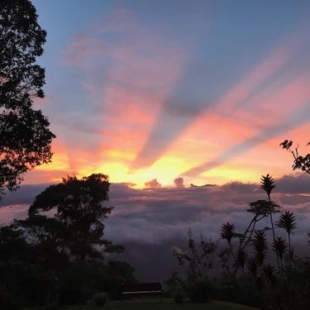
(163, 94)
(151, 91)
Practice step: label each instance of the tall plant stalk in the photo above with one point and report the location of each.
(267, 184)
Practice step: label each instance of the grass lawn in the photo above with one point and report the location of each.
(165, 304)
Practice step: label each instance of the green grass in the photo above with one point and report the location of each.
(165, 304)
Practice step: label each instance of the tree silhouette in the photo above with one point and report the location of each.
(300, 162)
(79, 212)
(24, 134)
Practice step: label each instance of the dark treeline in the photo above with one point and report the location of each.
(59, 254)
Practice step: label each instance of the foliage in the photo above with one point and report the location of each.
(77, 225)
(25, 136)
(252, 236)
(260, 246)
(178, 298)
(300, 162)
(59, 250)
(15, 261)
(165, 304)
(77, 283)
(197, 262)
(100, 299)
(284, 287)
(241, 290)
(112, 276)
(287, 222)
(228, 232)
(8, 301)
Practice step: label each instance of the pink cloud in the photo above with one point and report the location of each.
(129, 75)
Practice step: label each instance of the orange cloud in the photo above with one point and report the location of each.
(130, 77)
(137, 72)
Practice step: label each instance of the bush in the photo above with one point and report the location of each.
(199, 292)
(7, 301)
(179, 298)
(239, 290)
(100, 299)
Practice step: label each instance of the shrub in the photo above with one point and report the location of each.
(100, 299)
(179, 298)
(199, 292)
(7, 301)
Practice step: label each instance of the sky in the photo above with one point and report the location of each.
(160, 95)
(157, 90)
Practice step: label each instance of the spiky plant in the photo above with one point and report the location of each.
(241, 258)
(279, 246)
(228, 231)
(263, 207)
(287, 221)
(267, 184)
(260, 245)
(270, 275)
(252, 265)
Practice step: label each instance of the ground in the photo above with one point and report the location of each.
(157, 304)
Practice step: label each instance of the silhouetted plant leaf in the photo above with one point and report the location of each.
(263, 207)
(241, 257)
(287, 221)
(279, 246)
(252, 265)
(270, 275)
(286, 144)
(260, 245)
(228, 231)
(300, 162)
(267, 184)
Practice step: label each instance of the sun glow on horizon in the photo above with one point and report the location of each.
(159, 101)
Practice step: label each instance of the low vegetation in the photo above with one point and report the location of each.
(156, 304)
(258, 266)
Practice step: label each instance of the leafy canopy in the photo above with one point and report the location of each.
(78, 209)
(25, 137)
